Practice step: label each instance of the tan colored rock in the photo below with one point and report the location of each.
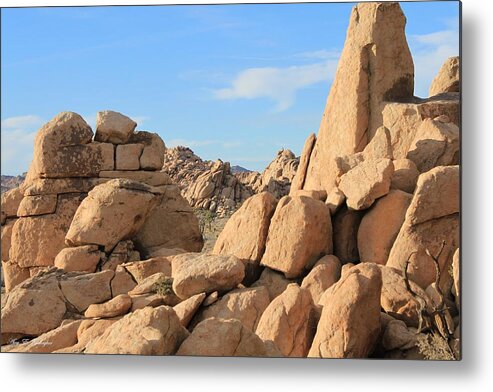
(37, 240)
(350, 322)
(152, 178)
(299, 179)
(292, 244)
(345, 228)
(288, 322)
(128, 156)
(197, 273)
(113, 127)
(13, 274)
(116, 306)
(141, 270)
(34, 307)
(56, 339)
(367, 182)
(81, 258)
(148, 331)
(110, 213)
(153, 300)
(55, 186)
(152, 157)
(335, 199)
(245, 305)
(211, 299)
(317, 195)
(223, 338)
(123, 252)
(397, 301)
(380, 226)
(405, 175)
(185, 310)
(89, 330)
(149, 284)
(275, 282)
(403, 119)
(11, 201)
(172, 224)
(436, 144)
(448, 78)
(7, 229)
(397, 336)
(82, 290)
(429, 222)
(380, 145)
(456, 272)
(123, 282)
(375, 59)
(324, 274)
(37, 205)
(252, 220)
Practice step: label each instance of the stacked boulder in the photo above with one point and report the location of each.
(91, 192)
(213, 186)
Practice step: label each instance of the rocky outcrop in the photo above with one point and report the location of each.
(447, 79)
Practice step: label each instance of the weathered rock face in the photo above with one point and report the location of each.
(113, 127)
(185, 310)
(299, 178)
(171, 224)
(274, 281)
(299, 234)
(379, 227)
(245, 233)
(350, 322)
(117, 306)
(110, 213)
(436, 144)
(345, 228)
(288, 322)
(366, 182)
(405, 175)
(447, 79)
(246, 305)
(225, 338)
(430, 220)
(324, 274)
(375, 59)
(148, 331)
(81, 258)
(198, 273)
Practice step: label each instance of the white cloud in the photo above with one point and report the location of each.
(429, 53)
(202, 143)
(278, 84)
(18, 135)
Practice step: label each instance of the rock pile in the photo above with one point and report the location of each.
(360, 260)
(213, 185)
(91, 203)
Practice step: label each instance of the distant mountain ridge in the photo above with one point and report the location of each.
(239, 169)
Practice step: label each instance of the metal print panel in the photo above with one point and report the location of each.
(172, 183)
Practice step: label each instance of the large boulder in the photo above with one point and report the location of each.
(349, 325)
(80, 258)
(405, 175)
(375, 66)
(380, 225)
(216, 337)
(436, 144)
(13, 274)
(245, 305)
(195, 273)
(172, 224)
(448, 78)
(113, 127)
(299, 178)
(110, 213)
(10, 202)
(7, 229)
(152, 156)
(299, 234)
(148, 331)
(430, 222)
(366, 182)
(245, 233)
(324, 274)
(185, 310)
(37, 240)
(288, 321)
(275, 282)
(64, 148)
(37, 205)
(114, 307)
(34, 307)
(345, 225)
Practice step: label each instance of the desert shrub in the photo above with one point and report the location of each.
(433, 346)
(164, 286)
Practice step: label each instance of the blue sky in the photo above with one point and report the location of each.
(232, 82)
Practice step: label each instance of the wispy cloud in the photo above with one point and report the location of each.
(202, 143)
(18, 135)
(277, 84)
(430, 51)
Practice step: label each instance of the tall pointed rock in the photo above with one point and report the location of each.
(375, 66)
